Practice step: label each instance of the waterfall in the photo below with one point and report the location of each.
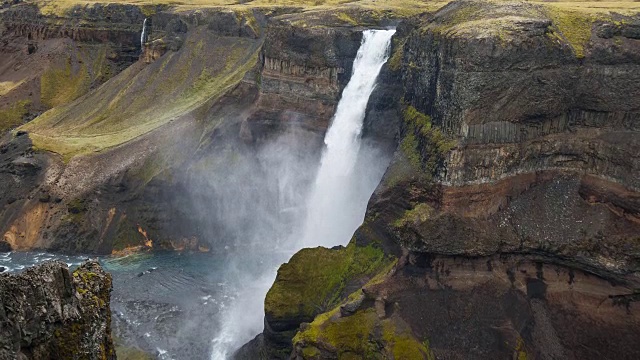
(337, 202)
(335, 208)
(143, 36)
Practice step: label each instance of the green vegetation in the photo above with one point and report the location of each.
(346, 18)
(573, 20)
(68, 343)
(13, 115)
(395, 61)
(419, 214)
(402, 343)
(361, 336)
(314, 279)
(77, 206)
(424, 146)
(61, 85)
(574, 27)
(127, 235)
(141, 99)
(520, 350)
(401, 7)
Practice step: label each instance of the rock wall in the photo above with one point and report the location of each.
(48, 312)
(303, 73)
(511, 202)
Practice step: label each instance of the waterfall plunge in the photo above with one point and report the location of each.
(143, 36)
(338, 200)
(335, 208)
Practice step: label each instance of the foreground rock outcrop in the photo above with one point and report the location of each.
(48, 312)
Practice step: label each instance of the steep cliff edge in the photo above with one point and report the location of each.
(49, 312)
(511, 203)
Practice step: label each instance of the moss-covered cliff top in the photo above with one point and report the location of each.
(405, 7)
(571, 22)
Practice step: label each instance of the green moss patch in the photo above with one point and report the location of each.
(62, 85)
(424, 146)
(130, 353)
(13, 115)
(419, 214)
(140, 99)
(574, 27)
(360, 336)
(395, 61)
(313, 280)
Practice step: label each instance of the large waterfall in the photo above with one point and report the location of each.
(338, 198)
(335, 208)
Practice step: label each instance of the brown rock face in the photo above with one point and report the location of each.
(512, 199)
(547, 143)
(510, 306)
(47, 312)
(302, 76)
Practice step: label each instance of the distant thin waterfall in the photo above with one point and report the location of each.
(143, 36)
(335, 208)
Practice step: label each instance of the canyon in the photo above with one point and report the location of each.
(506, 225)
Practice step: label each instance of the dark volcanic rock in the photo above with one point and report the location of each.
(47, 312)
(512, 200)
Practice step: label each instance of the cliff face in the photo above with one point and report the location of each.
(133, 161)
(48, 312)
(48, 60)
(541, 130)
(303, 73)
(511, 203)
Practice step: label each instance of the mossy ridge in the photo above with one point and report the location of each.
(14, 115)
(125, 107)
(395, 61)
(362, 335)
(574, 27)
(294, 295)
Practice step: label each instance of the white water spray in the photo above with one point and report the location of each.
(334, 210)
(337, 202)
(143, 36)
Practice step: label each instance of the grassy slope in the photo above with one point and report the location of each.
(141, 99)
(412, 6)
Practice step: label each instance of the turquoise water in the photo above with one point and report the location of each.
(169, 304)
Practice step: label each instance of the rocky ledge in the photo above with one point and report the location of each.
(49, 312)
